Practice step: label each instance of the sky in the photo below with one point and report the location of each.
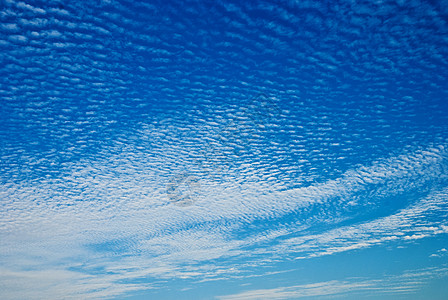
(223, 149)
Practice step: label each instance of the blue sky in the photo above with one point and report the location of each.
(223, 149)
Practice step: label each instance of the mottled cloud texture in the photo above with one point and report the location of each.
(148, 143)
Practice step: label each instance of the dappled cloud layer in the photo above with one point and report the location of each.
(196, 140)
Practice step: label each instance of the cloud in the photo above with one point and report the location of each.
(412, 223)
(114, 214)
(400, 284)
(61, 283)
(440, 253)
(105, 103)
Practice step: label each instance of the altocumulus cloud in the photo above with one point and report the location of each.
(298, 131)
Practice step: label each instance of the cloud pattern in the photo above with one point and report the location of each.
(146, 143)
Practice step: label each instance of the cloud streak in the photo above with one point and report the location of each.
(158, 239)
(402, 284)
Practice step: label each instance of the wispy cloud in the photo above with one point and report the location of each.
(401, 284)
(149, 237)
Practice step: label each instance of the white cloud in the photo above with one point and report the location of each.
(405, 283)
(440, 253)
(118, 206)
(75, 87)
